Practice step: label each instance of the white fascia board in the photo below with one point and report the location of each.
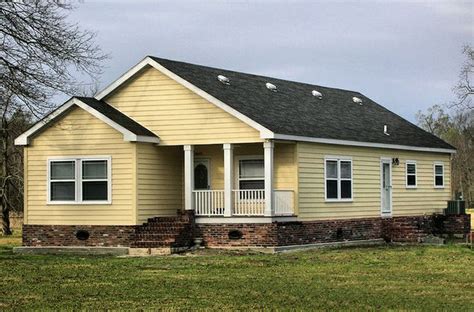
(362, 144)
(127, 75)
(264, 132)
(23, 139)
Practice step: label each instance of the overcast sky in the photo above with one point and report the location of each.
(405, 55)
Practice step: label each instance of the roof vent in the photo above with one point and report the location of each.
(271, 87)
(223, 79)
(385, 130)
(317, 94)
(357, 100)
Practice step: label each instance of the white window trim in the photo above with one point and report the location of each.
(438, 163)
(339, 159)
(237, 169)
(411, 162)
(78, 180)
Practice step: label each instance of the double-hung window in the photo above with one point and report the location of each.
(79, 180)
(439, 175)
(338, 179)
(411, 174)
(251, 174)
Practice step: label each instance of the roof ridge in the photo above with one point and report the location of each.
(155, 58)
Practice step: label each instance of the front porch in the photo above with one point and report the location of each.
(240, 180)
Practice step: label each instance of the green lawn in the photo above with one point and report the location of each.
(414, 278)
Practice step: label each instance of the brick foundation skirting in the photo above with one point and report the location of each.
(65, 235)
(414, 228)
(289, 233)
(159, 232)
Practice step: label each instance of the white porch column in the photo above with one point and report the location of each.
(228, 178)
(268, 159)
(188, 176)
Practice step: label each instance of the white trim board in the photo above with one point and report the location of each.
(362, 144)
(24, 138)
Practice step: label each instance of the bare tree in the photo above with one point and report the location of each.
(41, 53)
(464, 89)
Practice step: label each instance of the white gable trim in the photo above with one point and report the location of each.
(264, 132)
(24, 139)
(362, 144)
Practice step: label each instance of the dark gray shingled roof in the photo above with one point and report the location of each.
(293, 110)
(116, 116)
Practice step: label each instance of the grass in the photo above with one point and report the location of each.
(376, 278)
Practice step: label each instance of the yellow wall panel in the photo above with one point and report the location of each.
(160, 181)
(177, 115)
(425, 199)
(80, 134)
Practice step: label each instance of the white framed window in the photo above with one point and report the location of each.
(338, 178)
(251, 173)
(438, 170)
(79, 180)
(410, 172)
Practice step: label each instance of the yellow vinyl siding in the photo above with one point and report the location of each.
(176, 114)
(160, 181)
(80, 134)
(425, 199)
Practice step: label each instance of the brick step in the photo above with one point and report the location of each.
(156, 236)
(159, 228)
(164, 224)
(163, 231)
(168, 219)
(154, 244)
(149, 244)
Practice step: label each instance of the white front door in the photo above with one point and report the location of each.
(386, 185)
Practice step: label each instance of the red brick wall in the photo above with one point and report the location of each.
(158, 231)
(65, 235)
(456, 224)
(289, 233)
(300, 233)
(413, 229)
(253, 234)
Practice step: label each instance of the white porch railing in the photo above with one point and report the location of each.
(209, 202)
(249, 202)
(283, 201)
(245, 202)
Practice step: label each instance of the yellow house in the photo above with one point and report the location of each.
(172, 151)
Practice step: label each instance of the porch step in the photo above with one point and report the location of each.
(166, 230)
(154, 244)
(156, 236)
(175, 231)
